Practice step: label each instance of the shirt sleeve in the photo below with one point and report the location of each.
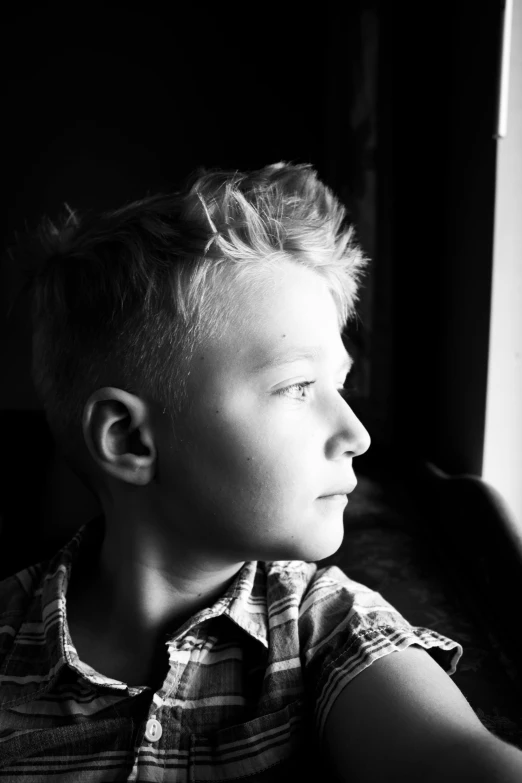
(345, 626)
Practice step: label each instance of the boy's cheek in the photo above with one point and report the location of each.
(230, 430)
(243, 468)
(253, 450)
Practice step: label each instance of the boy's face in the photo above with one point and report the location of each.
(265, 459)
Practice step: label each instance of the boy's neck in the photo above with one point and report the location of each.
(139, 591)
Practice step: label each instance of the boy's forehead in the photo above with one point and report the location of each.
(287, 354)
(292, 318)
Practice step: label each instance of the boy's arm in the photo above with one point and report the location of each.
(403, 718)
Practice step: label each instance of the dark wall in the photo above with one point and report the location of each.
(106, 103)
(443, 102)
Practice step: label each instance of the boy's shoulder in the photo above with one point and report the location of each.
(315, 583)
(325, 600)
(335, 613)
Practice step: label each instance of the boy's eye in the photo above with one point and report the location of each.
(296, 391)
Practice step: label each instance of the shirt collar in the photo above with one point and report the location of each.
(39, 650)
(27, 674)
(244, 602)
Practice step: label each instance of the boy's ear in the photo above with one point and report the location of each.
(117, 429)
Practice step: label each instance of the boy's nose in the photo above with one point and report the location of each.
(350, 436)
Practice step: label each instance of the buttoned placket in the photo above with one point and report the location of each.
(155, 726)
(156, 729)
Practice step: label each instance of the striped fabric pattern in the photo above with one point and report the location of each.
(250, 683)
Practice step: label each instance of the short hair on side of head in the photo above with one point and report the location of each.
(121, 297)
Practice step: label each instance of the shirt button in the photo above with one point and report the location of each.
(153, 730)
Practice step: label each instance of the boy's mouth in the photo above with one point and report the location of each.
(339, 493)
(339, 499)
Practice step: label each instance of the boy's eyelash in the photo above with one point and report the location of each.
(344, 391)
(302, 385)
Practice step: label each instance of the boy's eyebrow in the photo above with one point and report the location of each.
(290, 355)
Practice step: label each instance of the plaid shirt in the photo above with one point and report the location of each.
(250, 683)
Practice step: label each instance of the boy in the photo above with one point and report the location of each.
(188, 354)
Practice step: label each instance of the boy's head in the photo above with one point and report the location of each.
(187, 353)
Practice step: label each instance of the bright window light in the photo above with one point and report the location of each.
(502, 463)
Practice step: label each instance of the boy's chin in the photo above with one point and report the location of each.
(319, 547)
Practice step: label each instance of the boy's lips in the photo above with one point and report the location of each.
(338, 492)
(337, 500)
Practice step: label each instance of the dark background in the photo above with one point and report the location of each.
(395, 110)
